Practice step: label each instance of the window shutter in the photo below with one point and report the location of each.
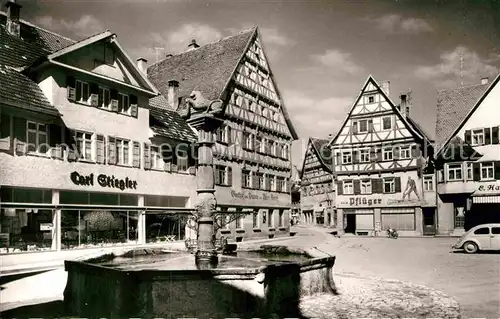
(147, 156)
(355, 157)
(133, 105)
(495, 138)
(71, 88)
(100, 99)
(100, 149)
(357, 187)
(114, 100)
(111, 150)
(229, 176)
(414, 151)
(136, 154)
(376, 186)
(468, 137)
(395, 153)
(397, 184)
(339, 158)
(373, 155)
(476, 171)
(487, 136)
(355, 127)
(217, 175)
(94, 94)
(370, 125)
(379, 155)
(255, 180)
(497, 170)
(340, 188)
(243, 174)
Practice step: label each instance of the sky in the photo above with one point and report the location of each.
(320, 52)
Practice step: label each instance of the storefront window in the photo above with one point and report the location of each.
(398, 218)
(23, 230)
(97, 228)
(165, 227)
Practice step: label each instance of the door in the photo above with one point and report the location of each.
(495, 238)
(482, 235)
(350, 225)
(429, 218)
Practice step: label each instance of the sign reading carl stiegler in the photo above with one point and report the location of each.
(103, 180)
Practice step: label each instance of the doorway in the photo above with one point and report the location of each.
(429, 221)
(350, 223)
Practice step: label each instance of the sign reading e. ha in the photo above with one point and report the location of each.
(103, 180)
(489, 188)
(248, 195)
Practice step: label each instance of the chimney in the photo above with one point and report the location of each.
(141, 64)
(485, 80)
(386, 87)
(404, 106)
(193, 45)
(13, 25)
(172, 95)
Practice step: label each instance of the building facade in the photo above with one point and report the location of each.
(468, 156)
(253, 144)
(80, 146)
(317, 196)
(379, 167)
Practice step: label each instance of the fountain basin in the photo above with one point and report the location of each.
(170, 286)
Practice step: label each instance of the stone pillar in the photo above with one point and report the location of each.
(56, 223)
(378, 222)
(206, 255)
(141, 221)
(340, 221)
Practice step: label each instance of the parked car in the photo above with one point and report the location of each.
(480, 237)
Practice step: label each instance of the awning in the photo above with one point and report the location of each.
(485, 199)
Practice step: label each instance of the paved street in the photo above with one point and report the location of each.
(473, 280)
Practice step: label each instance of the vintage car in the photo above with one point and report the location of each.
(480, 237)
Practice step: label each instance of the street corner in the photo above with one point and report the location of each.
(361, 297)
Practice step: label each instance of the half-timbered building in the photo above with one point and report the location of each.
(468, 156)
(252, 165)
(378, 163)
(317, 194)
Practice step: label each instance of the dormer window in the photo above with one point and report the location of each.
(477, 137)
(104, 98)
(82, 92)
(123, 103)
(371, 99)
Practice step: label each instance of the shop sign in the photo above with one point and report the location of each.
(249, 195)
(363, 201)
(489, 188)
(103, 180)
(45, 226)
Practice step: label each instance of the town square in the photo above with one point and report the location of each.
(250, 159)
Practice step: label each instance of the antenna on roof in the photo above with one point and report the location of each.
(461, 68)
(157, 49)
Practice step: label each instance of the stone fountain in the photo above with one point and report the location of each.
(204, 285)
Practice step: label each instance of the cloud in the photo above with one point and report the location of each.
(338, 60)
(272, 36)
(85, 26)
(394, 23)
(448, 71)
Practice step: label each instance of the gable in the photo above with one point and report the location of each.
(253, 95)
(374, 118)
(102, 58)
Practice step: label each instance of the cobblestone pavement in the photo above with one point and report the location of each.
(379, 298)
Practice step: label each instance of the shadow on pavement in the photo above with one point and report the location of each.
(54, 309)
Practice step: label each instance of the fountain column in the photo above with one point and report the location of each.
(205, 124)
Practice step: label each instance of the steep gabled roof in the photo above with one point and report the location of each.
(207, 69)
(322, 152)
(402, 118)
(454, 107)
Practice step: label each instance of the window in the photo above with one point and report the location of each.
(82, 92)
(386, 123)
(454, 172)
(219, 134)
(495, 230)
(371, 99)
(123, 104)
(246, 180)
(255, 219)
(281, 220)
(272, 182)
(270, 219)
(347, 158)
(260, 181)
(366, 186)
(285, 152)
(363, 126)
(387, 154)
(258, 144)
(364, 156)
(482, 231)
(104, 98)
(223, 175)
(248, 140)
(182, 161)
(37, 137)
(156, 158)
(280, 184)
(405, 152)
(428, 183)
(487, 171)
(348, 187)
(122, 152)
(398, 218)
(227, 134)
(239, 221)
(469, 171)
(389, 185)
(477, 137)
(84, 145)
